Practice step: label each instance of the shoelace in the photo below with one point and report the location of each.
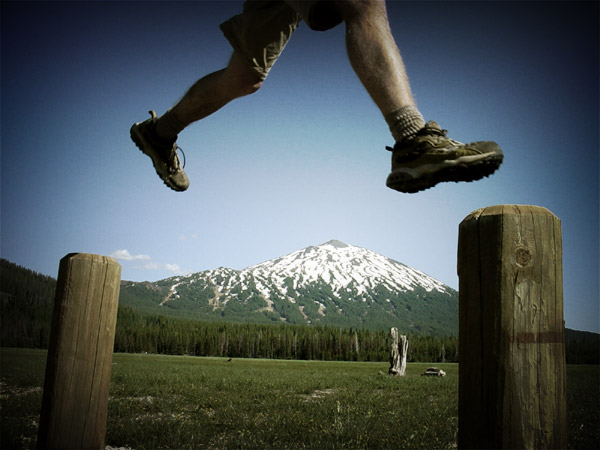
(427, 130)
(432, 130)
(436, 131)
(174, 162)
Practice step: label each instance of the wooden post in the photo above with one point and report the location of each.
(403, 354)
(394, 355)
(512, 382)
(79, 362)
(398, 354)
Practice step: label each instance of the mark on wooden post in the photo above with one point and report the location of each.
(523, 256)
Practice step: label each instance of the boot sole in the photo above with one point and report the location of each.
(464, 169)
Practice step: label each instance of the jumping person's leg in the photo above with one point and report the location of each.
(208, 95)
(375, 58)
(374, 55)
(258, 35)
(157, 137)
(422, 156)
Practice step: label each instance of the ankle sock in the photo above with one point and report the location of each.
(168, 126)
(405, 122)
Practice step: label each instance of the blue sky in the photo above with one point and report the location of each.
(303, 160)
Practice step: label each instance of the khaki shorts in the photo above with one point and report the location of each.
(260, 33)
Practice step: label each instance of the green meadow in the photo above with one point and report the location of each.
(181, 402)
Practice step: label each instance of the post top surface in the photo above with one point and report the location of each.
(512, 210)
(91, 258)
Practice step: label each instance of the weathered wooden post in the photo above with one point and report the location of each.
(79, 362)
(398, 354)
(403, 354)
(512, 382)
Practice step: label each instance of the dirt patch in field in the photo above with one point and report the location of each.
(7, 390)
(318, 394)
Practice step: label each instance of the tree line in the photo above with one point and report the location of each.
(137, 333)
(27, 298)
(26, 303)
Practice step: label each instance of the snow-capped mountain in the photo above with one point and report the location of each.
(330, 284)
(342, 266)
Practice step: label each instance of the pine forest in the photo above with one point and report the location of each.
(26, 300)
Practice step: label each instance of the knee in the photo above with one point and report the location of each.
(248, 86)
(240, 80)
(238, 84)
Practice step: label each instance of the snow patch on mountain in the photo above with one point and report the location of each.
(342, 267)
(339, 265)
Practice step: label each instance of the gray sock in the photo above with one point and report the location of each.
(405, 122)
(168, 126)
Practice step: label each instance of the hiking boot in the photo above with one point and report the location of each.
(164, 155)
(429, 158)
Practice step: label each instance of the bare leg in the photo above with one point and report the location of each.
(156, 137)
(374, 55)
(208, 95)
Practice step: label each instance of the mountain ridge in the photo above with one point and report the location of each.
(333, 283)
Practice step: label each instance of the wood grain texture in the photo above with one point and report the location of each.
(511, 344)
(78, 367)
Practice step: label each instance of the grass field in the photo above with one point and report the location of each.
(176, 402)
